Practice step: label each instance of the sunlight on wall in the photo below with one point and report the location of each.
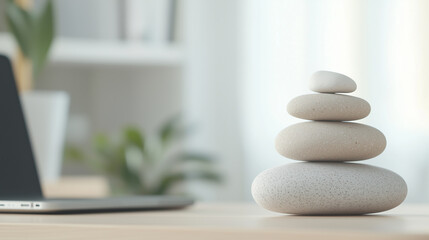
(335, 39)
(407, 119)
(408, 64)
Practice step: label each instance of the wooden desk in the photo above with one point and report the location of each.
(217, 221)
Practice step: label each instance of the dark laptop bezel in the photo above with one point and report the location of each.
(18, 174)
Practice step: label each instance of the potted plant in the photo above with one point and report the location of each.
(146, 165)
(46, 111)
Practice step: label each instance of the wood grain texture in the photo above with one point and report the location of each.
(218, 221)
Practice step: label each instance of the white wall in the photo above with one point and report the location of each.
(211, 31)
(274, 70)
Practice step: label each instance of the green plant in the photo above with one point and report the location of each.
(139, 165)
(34, 33)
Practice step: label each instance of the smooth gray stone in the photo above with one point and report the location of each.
(331, 82)
(330, 141)
(328, 189)
(328, 107)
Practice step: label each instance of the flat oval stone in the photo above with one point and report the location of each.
(328, 189)
(331, 82)
(330, 141)
(328, 107)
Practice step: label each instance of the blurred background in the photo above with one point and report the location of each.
(127, 69)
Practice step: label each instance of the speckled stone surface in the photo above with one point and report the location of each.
(331, 82)
(310, 188)
(328, 107)
(330, 141)
(326, 184)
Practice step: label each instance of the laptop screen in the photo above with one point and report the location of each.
(18, 175)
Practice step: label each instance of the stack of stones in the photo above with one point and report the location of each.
(325, 184)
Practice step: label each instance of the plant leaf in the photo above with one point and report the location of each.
(103, 147)
(195, 157)
(169, 180)
(73, 153)
(101, 142)
(134, 158)
(170, 130)
(133, 136)
(20, 24)
(43, 35)
(131, 179)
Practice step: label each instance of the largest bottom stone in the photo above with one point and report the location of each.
(311, 188)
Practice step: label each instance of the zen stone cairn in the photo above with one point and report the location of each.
(325, 183)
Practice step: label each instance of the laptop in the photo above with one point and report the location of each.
(20, 189)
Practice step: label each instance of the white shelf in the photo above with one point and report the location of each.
(91, 52)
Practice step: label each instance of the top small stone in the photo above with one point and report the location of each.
(331, 82)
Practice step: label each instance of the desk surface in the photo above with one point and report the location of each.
(218, 221)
